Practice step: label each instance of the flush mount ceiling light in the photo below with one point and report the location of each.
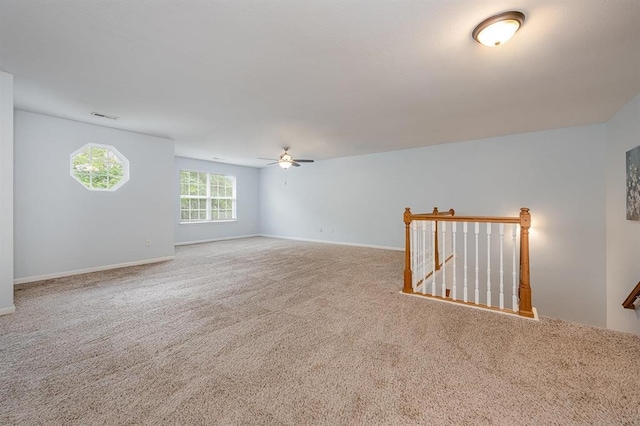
(498, 29)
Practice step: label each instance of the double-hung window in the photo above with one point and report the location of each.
(207, 197)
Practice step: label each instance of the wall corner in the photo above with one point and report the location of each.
(6, 193)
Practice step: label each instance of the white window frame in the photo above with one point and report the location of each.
(208, 199)
(117, 154)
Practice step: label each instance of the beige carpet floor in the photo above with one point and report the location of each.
(267, 331)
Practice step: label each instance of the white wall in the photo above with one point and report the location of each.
(247, 203)
(559, 175)
(61, 227)
(623, 236)
(6, 193)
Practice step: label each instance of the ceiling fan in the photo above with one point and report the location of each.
(286, 160)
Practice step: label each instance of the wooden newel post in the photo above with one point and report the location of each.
(408, 276)
(525, 285)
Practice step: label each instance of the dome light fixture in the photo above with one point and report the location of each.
(498, 29)
(286, 160)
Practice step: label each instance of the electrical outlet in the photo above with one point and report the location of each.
(147, 243)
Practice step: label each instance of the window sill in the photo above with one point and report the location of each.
(207, 221)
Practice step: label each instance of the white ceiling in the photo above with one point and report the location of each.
(240, 79)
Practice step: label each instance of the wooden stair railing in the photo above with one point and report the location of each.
(631, 298)
(521, 301)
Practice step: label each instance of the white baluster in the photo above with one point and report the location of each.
(514, 291)
(421, 252)
(464, 229)
(444, 259)
(455, 255)
(418, 251)
(414, 265)
(416, 272)
(427, 250)
(502, 266)
(430, 250)
(423, 245)
(433, 261)
(488, 263)
(424, 253)
(477, 266)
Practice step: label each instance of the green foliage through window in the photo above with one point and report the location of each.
(207, 197)
(99, 167)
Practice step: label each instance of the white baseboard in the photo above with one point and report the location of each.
(88, 270)
(334, 242)
(188, 243)
(6, 311)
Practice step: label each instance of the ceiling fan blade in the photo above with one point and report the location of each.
(272, 163)
(271, 159)
(303, 161)
(294, 164)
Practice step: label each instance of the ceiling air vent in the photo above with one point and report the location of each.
(101, 115)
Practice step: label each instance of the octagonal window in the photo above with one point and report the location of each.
(99, 167)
